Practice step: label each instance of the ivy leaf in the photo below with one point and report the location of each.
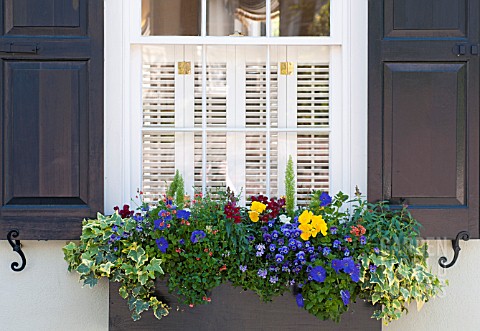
(375, 298)
(159, 312)
(90, 280)
(137, 255)
(123, 292)
(142, 277)
(83, 269)
(141, 306)
(154, 266)
(106, 267)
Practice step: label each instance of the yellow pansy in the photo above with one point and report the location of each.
(253, 216)
(258, 207)
(306, 231)
(305, 217)
(319, 224)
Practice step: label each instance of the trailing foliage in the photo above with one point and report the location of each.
(326, 254)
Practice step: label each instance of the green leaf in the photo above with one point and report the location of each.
(141, 306)
(154, 266)
(83, 269)
(90, 280)
(376, 297)
(123, 292)
(137, 255)
(106, 267)
(159, 312)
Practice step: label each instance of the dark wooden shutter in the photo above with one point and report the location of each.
(423, 111)
(51, 122)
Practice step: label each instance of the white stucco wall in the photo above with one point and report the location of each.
(45, 296)
(458, 307)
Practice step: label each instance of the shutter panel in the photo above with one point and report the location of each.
(423, 111)
(51, 120)
(256, 117)
(216, 116)
(312, 111)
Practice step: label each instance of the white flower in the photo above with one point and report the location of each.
(284, 219)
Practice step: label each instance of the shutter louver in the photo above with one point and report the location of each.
(216, 116)
(312, 95)
(216, 168)
(312, 165)
(158, 166)
(256, 96)
(158, 149)
(216, 95)
(256, 143)
(158, 94)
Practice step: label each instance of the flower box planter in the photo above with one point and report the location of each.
(234, 309)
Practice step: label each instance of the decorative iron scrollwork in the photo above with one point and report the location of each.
(463, 235)
(17, 247)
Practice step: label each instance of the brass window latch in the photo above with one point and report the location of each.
(286, 68)
(184, 68)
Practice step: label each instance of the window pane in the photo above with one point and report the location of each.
(171, 17)
(300, 18)
(225, 17)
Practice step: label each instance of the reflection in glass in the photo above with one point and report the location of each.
(246, 17)
(292, 18)
(171, 17)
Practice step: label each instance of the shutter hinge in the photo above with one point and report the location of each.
(184, 68)
(286, 68)
(464, 49)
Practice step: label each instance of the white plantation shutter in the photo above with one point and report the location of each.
(312, 165)
(158, 150)
(216, 128)
(158, 90)
(312, 111)
(158, 166)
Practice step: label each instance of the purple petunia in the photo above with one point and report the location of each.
(183, 214)
(181, 241)
(348, 265)
(243, 268)
(376, 250)
(159, 224)
(196, 236)
(318, 274)
(299, 299)
(162, 244)
(345, 294)
(325, 199)
(337, 265)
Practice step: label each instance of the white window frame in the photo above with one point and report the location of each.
(123, 118)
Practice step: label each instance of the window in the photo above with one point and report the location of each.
(235, 116)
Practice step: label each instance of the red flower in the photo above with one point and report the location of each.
(223, 268)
